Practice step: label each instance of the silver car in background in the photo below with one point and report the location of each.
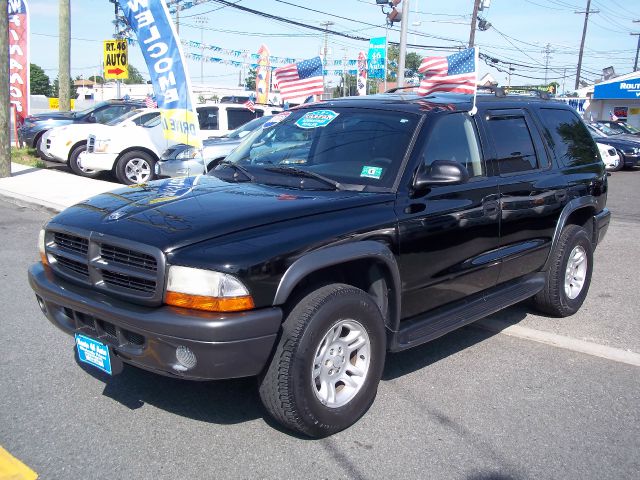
(184, 160)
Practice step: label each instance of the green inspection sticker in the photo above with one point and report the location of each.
(371, 172)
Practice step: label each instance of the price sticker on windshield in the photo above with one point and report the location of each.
(276, 119)
(317, 119)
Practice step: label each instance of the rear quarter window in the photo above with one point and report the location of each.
(568, 137)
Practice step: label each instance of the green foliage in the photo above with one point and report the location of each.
(412, 61)
(40, 83)
(55, 89)
(26, 156)
(250, 81)
(97, 79)
(135, 77)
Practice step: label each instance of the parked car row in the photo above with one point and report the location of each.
(125, 138)
(618, 136)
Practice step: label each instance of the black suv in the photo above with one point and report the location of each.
(338, 232)
(31, 131)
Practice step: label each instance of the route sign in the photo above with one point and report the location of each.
(116, 59)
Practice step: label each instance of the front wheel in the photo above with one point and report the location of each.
(325, 372)
(618, 166)
(135, 167)
(75, 162)
(569, 275)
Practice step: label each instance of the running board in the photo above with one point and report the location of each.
(438, 322)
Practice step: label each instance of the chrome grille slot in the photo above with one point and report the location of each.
(78, 268)
(71, 243)
(128, 281)
(91, 143)
(128, 257)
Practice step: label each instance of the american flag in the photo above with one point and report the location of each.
(455, 73)
(250, 105)
(300, 79)
(150, 102)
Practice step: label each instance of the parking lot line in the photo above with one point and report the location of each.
(13, 469)
(561, 341)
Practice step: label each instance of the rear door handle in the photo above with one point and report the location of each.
(491, 207)
(561, 195)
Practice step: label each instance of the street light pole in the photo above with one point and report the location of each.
(403, 42)
(584, 35)
(326, 26)
(202, 21)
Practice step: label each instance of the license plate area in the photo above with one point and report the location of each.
(94, 353)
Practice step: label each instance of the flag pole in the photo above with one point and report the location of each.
(474, 109)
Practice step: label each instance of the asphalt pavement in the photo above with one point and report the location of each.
(474, 404)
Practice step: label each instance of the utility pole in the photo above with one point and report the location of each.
(584, 35)
(474, 20)
(547, 54)
(202, 21)
(64, 62)
(344, 72)
(635, 64)
(403, 42)
(5, 112)
(325, 51)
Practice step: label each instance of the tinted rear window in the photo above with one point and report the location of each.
(568, 137)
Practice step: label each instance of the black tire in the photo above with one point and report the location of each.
(620, 165)
(213, 164)
(287, 385)
(126, 161)
(553, 299)
(38, 146)
(75, 167)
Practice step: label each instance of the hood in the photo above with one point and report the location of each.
(38, 117)
(177, 212)
(619, 141)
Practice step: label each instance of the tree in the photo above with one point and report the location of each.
(40, 83)
(250, 81)
(134, 76)
(55, 89)
(412, 61)
(97, 79)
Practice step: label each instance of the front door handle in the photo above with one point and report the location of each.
(491, 207)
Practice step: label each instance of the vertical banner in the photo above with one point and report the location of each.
(162, 51)
(362, 74)
(263, 76)
(19, 91)
(377, 57)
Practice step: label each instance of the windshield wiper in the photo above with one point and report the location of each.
(239, 168)
(298, 172)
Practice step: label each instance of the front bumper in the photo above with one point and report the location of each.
(99, 161)
(631, 160)
(179, 168)
(225, 345)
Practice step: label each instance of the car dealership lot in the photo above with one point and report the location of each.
(473, 404)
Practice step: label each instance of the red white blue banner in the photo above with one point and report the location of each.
(19, 91)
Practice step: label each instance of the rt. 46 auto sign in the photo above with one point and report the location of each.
(116, 62)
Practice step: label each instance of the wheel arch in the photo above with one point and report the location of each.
(74, 146)
(579, 211)
(136, 148)
(368, 265)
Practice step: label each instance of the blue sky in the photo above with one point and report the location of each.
(520, 31)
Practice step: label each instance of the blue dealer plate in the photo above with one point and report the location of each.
(94, 353)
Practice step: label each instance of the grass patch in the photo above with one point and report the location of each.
(26, 156)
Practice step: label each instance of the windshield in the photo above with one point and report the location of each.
(247, 128)
(81, 113)
(628, 128)
(606, 130)
(595, 132)
(124, 117)
(350, 148)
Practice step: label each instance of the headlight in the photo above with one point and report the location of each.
(41, 247)
(206, 290)
(188, 154)
(101, 145)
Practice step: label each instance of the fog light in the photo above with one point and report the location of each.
(186, 359)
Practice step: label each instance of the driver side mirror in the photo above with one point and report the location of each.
(441, 172)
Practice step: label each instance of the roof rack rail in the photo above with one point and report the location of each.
(533, 91)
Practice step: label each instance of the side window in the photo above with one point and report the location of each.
(208, 118)
(142, 119)
(109, 113)
(238, 117)
(513, 143)
(568, 137)
(454, 137)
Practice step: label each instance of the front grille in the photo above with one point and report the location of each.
(114, 266)
(105, 331)
(48, 143)
(128, 281)
(128, 257)
(71, 243)
(91, 143)
(108, 328)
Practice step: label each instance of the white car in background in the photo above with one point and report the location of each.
(218, 119)
(68, 143)
(610, 157)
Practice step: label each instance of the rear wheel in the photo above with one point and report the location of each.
(569, 275)
(75, 162)
(325, 372)
(135, 167)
